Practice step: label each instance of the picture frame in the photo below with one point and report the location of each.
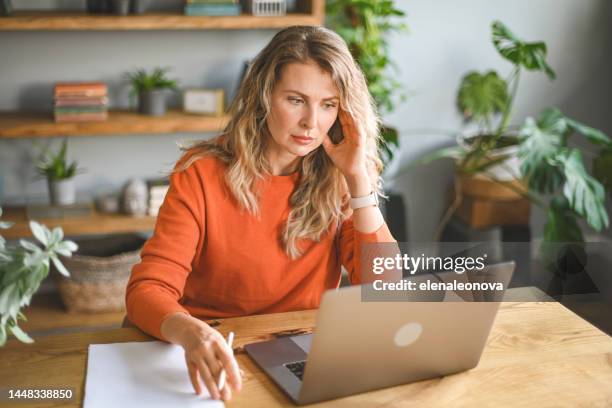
(202, 101)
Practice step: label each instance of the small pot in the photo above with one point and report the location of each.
(120, 7)
(508, 170)
(152, 102)
(62, 192)
(97, 6)
(138, 6)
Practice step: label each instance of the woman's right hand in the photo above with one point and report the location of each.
(206, 354)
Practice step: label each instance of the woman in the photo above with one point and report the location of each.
(261, 218)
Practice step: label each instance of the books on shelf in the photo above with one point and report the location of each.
(80, 101)
(212, 8)
(157, 188)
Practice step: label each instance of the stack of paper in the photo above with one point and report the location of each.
(145, 374)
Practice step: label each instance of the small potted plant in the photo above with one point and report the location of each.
(24, 267)
(151, 90)
(537, 154)
(60, 176)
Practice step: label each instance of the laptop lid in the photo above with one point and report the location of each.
(360, 346)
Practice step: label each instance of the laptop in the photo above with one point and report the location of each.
(361, 346)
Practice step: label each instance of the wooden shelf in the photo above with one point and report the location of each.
(95, 224)
(24, 124)
(56, 20)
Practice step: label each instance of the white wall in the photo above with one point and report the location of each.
(447, 39)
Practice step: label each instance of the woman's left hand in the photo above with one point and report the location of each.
(348, 155)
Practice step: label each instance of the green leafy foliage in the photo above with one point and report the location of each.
(562, 223)
(365, 25)
(481, 96)
(55, 166)
(551, 166)
(142, 80)
(548, 163)
(538, 150)
(22, 269)
(584, 193)
(531, 56)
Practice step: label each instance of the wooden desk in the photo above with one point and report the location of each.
(538, 354)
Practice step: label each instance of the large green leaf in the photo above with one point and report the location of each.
(584, 193)
(561, 223)
(595, 136)
(538, 150)
(552, 120)
(480, 96)
(531, 56)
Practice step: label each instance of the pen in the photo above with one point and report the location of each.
(230, 340)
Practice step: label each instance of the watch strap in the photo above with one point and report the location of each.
(365, 201)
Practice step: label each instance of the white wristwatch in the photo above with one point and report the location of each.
(365, 201)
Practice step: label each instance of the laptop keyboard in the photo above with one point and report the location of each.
(297, 368)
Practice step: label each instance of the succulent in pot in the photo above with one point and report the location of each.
(151, 89)
(59, 173)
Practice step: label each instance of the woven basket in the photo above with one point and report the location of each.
(99, 273)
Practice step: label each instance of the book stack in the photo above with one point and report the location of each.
(212, 8)
(80, 102)
(157, 193)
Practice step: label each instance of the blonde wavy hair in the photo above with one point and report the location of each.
(321, 196)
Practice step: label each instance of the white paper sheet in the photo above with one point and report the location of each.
(141, 374)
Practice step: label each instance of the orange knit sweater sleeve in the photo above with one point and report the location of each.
(157, 282)
(352, 243)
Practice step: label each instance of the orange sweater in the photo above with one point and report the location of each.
(209, 258)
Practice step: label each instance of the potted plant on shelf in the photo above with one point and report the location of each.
(365, 26)
(151, 90)
(532, 160)
(60, 176)
(24, 267)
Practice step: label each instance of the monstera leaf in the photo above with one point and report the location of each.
(553, 120)
(584, 193)
(538, 151)
(481, 96)
(532, 56)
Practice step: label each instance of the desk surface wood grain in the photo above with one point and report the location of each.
(538, 354)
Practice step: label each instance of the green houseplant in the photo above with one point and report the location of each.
(365, 25)
(22, 269)
(546, 161)
(59, 173)
(151, 89)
